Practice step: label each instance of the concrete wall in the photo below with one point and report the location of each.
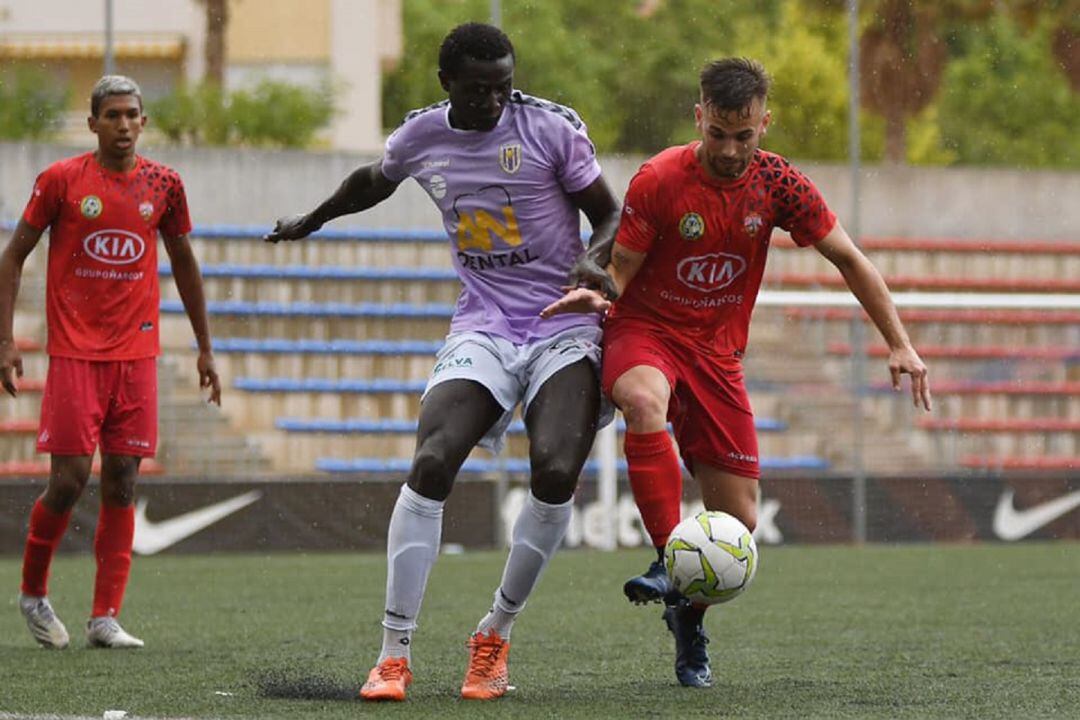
(255, 187)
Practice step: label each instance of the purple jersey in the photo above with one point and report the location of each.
(505, 205)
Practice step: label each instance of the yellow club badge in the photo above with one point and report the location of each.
(91, 207)
(692, 226)
(510, 157)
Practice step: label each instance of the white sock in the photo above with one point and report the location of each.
(412, 544)
(538, 532)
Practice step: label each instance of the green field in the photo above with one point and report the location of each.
(985, 631)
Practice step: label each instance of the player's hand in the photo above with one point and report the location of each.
(208, 377)
(587, 273)
(577, 300)
(293, 227)
(905, 361)
(10, 366)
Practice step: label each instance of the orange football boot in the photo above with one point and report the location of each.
(487, 677)
(388, 680)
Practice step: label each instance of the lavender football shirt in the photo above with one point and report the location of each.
(513, 229)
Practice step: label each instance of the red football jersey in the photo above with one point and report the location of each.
(707, 240)
(102, 291)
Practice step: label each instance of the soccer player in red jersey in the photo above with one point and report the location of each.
(687, 263)
(104, 210)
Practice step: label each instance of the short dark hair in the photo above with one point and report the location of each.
(475, 40)
(732, 83)
(112, 85)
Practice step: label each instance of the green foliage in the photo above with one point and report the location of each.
(272, 113)
(1007, 102)
(31, 104)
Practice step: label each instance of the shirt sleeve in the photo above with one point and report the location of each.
(396, 155)
(46, 199)
(176, 220)
(803, 211)
(578, 167)
(638, 227)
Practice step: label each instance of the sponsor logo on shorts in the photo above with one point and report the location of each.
(510, 157)
(44, 436)
(135, 442)
(115, 247)
(452, 362)
(91, 207)
(742, 457)
(692, 226)
(146, 210)
(146, 326)
(711, 272)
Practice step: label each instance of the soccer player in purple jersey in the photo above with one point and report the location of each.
(510, 174)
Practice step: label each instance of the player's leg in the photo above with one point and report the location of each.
(643, 393)
(715, 430)
(736, 495)
(454, 416)
(71, 415)
(68, 475)
(562, 411)
(113, 540)
(128, 434)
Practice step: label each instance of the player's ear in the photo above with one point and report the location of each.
(765, 120)
(91, 122)
(444, 80)
(699, 116)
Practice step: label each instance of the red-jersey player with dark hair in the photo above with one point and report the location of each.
(104, 210)
(688, 261)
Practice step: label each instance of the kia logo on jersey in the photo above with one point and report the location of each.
(711, 272)
(115, 247)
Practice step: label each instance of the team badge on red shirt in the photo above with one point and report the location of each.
(692, 226)
(91, 207)
(510, 157)
(752, 223)
(146, 210)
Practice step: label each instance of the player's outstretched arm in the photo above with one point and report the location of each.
(602, 208)
(18, 248)
(365, 187)
(185, 269)
(624, 265)
(873, 294)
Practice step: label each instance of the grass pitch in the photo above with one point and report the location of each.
(984, 631)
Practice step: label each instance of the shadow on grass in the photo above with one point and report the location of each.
(284, 684)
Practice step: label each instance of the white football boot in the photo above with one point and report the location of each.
(42, 621)
(105, 632)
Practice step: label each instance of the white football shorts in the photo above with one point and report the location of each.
(515, 373)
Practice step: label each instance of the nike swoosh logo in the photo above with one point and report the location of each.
(152, 537)
(1013, 524)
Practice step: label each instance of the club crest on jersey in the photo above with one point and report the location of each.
(752, 223)
(91, 207)
(692, 226)
(146, 210)
(510, 157)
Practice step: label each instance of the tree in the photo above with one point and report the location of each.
(217, 23)
(1006, 100)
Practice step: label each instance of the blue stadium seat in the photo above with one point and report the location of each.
(521, 465)
(319, 272)
(276, 346)
(329, 385)
(310, 309)
(384, 425)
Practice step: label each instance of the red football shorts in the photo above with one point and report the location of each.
(709, 408)
(90, 403)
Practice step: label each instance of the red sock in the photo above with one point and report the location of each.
(112, 548)
(656, 480)
(46, 530)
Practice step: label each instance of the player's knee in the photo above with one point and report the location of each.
(554, 478)
(641, 406)
(63, 492)
(431, 474)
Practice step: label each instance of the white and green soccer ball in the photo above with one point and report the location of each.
(711, 557)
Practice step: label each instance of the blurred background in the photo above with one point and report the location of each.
(960, 180)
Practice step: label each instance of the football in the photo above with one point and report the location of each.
(711, 557)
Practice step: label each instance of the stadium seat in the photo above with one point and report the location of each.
(1041, 462)
(390, 426)
(521, 465)
(40, 468)
(326, 347)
